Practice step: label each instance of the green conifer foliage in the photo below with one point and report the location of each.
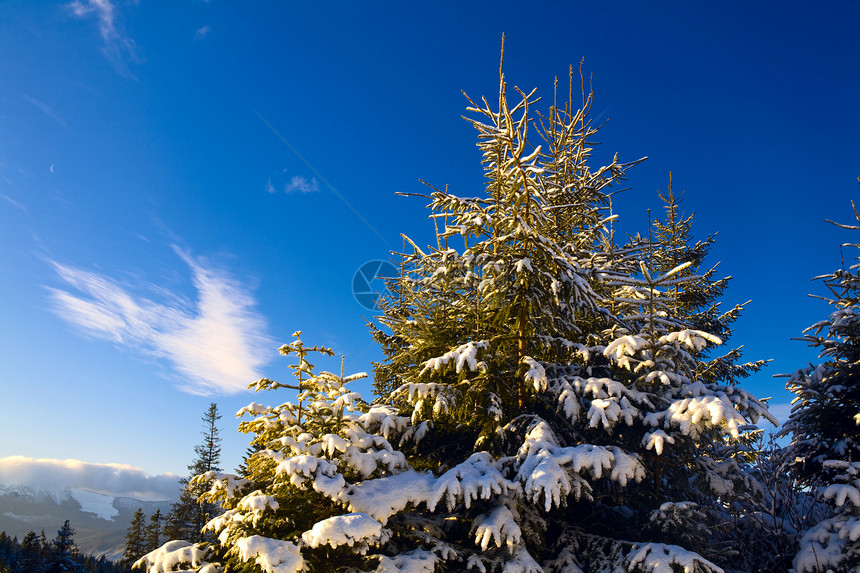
(524, 282)
(697, 301)
(692, 300)
(188, 515)
(32, 556)
(64, 552)
(825, 425)
(32, 553)
(307, 452)
(554, 342)
(154, 532)
(135, 539)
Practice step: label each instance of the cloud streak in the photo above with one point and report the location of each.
(201, 33)
(15, 203)
(216, 347)
(117, 45)
(45, 108)
(109, 479)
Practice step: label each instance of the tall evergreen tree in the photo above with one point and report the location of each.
(585, 345)
(693, 301)
(209, 450)
(32, 553)
(63, 552)
(188, 515)
(135, 539)
(825, 425)
(154, 532)
(7, 550)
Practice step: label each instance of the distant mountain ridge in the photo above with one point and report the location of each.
(100, 521)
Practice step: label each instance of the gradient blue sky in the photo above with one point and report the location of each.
(184, 184)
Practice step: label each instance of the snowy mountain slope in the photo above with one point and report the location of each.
(100, 521)
(101, 506)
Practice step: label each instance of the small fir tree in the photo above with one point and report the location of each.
(188, 515)
(64, 552)
(287, 512)
(693, 301)
(8, 552)
(696, 301)
(32, 553)
(135, 539)
(825, 426)
(154, 532)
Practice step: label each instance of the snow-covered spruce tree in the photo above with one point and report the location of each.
(767, 508)
(291, 510)
(695, 303)
(569, 364)
(825, 426)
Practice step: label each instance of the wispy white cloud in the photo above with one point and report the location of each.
(269, 187)
(218, 346)
(20, 206)
(108, 479)
(299, 183)
(45, 108)
(201, 33)
(104, 11)
(117, 44)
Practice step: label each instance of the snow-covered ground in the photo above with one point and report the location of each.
(91, 502)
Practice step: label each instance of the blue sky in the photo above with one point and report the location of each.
(183, 187)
